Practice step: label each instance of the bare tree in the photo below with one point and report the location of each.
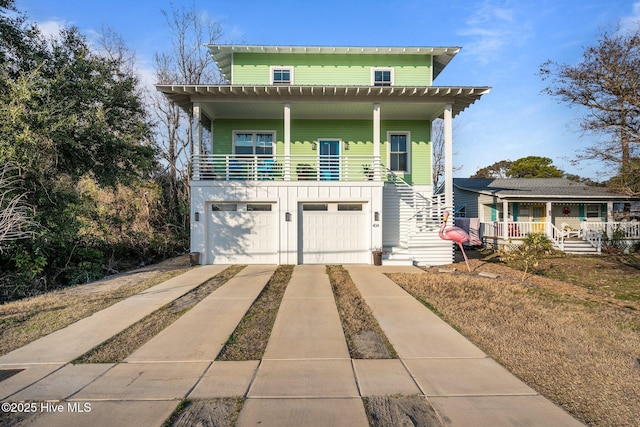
(437, 141)
(185, 61)
(15, 215)
(607, 84)
(115, 49)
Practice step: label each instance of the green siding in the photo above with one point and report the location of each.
(327, 69)
(223, 133)
(420, 148)
(357, 133)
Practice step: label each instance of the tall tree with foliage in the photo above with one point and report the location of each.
(526, 167)
(534, 167)
(66, 113)
(496, 170)
(606, 83)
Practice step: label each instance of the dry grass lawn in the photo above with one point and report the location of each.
(363, 334)
(249, 340)
(577, 347)
(24, 321)
(205, 413)
(121, 345)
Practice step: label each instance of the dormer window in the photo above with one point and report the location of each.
(382, 76)
(281, 75)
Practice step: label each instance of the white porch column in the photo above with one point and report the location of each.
(210, 142)
(376, 142)
(609, 226)
(547, 228)
(448, 156)
(287, 141)
(505, 219)
(196, 131)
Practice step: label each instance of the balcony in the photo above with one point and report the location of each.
(223, 167)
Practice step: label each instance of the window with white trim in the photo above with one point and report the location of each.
(281, 75)
(253, 143)
(592, 211)
(398, 151)
(382, 76)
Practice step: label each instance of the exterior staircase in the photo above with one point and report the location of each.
(420, 220)
(578, 246)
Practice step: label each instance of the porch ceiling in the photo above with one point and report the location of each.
(230, 101)
(327, 110)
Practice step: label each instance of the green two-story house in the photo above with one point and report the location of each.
(311, 154)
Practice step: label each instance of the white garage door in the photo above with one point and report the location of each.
(243, 233)
(333, 233)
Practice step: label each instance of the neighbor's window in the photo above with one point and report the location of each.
(592, 211)
(382, 76)
(281, 75)
(254, 143)
(398, 152)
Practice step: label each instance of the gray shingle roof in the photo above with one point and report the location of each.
(534, 187)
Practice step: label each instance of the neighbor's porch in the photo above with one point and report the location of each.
(512, 222)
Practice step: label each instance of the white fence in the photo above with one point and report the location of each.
(516, 230)
(613, 230)
(593, 232)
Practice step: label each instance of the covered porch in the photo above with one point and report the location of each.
(564, 223)
(319, 133)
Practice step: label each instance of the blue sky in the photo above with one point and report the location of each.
(503, 44)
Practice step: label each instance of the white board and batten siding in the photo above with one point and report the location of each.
(285, 234)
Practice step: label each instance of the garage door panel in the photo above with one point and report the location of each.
(330, 237)
(243, 238)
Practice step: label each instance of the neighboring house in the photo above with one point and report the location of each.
(575, 216)
(320, 154)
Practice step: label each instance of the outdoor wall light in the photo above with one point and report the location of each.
(376, 216)
(346, 145)
(197, 216)
(314, 145)
(287, 216)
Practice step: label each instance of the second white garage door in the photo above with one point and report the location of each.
(333, 233)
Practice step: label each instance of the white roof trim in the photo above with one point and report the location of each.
(373, 50)
(460, 97)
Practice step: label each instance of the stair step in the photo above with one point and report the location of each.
(398, 261)
(578, 247)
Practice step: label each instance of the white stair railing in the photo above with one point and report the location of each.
(557, 236)
(594, 237)
(426, 213)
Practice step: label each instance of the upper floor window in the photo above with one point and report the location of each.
(254, 143)
(281, 75)
(382, 76)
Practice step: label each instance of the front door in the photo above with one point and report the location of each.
(329, 160)
(538, 217)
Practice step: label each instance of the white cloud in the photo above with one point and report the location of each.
(52, 27)
(491, 29)
(631, 22)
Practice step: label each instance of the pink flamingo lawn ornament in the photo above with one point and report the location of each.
(455, 234)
